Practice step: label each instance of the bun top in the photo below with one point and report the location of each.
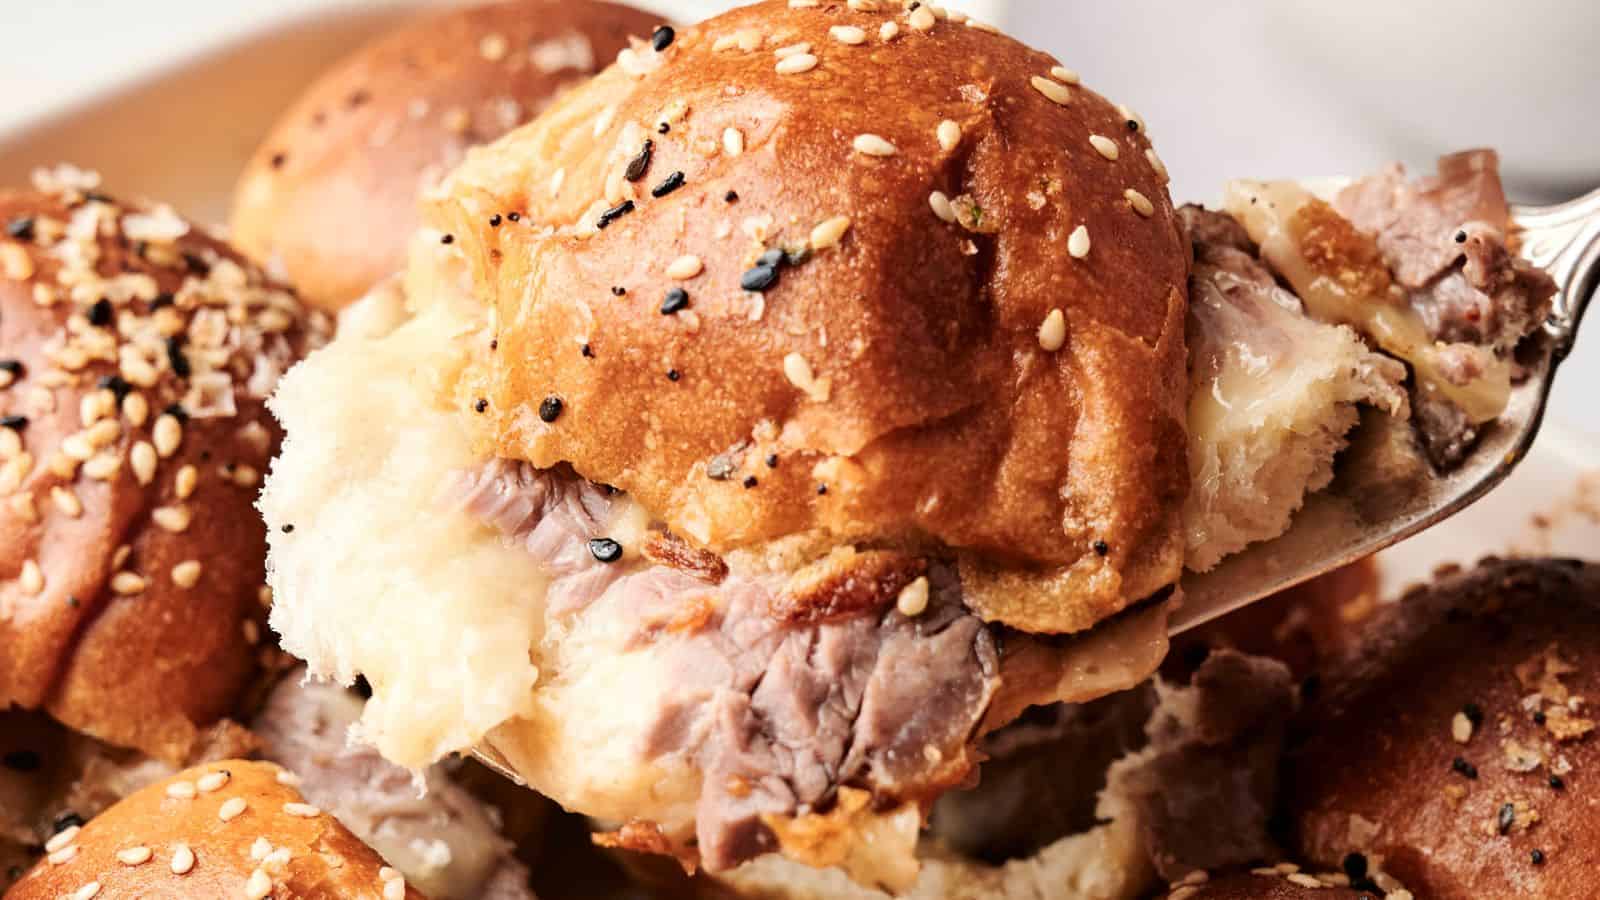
(876, 276)
(136, 354)
(225, 829)
(330, 197)
(1470, 777)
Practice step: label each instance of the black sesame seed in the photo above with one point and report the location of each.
(1461, 237)
(357, 98)
(676, 300)
(750, 481)
(1538, 718)
(588, 351)
(605, 550)
(97, 197)
(1507, 818)
(447, 239)
(759, 279)
(731, 197)
(1355, 866)
(772, 258)
(674, 375)
(1101, 548)
(64, 821)
(1536, 857)
(640, 164)
(482, 405)
(15, 423)
(663, 128)
(772, 460)
(162, 301)
(22, 761)
(116, 384)
(614, 213)
(278, 159)
(196, 265)
(175, 357)
(514, 216)
(1557, 783)
(798, 255)
(72, 601)
(288, 528)
(662, 38)
(1464, 768)
(1473, 712)
(494, 221)
(178, 412)
(20, 228)
(14, 366)
(619, 291)
(494, 344)
(100, 313)
(1133, 124)
(822, 489)
(550, 409)
(668, 185)
(362, 687)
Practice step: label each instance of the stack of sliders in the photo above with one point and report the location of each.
(816, 390)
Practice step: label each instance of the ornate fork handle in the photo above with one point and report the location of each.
(1564, 240)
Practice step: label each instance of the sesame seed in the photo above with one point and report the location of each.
(260, 849)
(61, 838)
(15, 263)
(64, 855)
(676, 300)
(1053, 90)
(167, 434)
(1053, 331)
(135, 408)
(1104, 146)
(550, 409)
(184, 484)
(302, 810)
(394, 889)
(1506, 818)
(1156, 164)
(942, 207)
(1078, 242)
(922, 19)
(732, 141)
(287, 777)
(1140, 203)
(792, 50)
(232, 809)
(66, 501)
(493, 47)
(829, 232)
(949, 134)
(605, 550)
(847, 34)
(387, 872)
(134, 856)
(1134, 120)
(889, 31)
(127, 583)
(1064, 75)
(174, 519)
(1304, 880)
(799, 372)
(873, 145)
(1536, 857)
(1101, 548)
(182, 859)
(913, 598)
(212, 781)
(259, 885)
(87, 892)
(803, 4)
(1461, 728)
(797, 64)
(181, 790)
(186, 575)
(685, 267)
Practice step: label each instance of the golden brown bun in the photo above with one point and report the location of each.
(331, 194)
(139, 665)
(1259, 886)
(900, 368)
(134, 848)
(1377, 773)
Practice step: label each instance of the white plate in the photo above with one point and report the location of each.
(182, 134)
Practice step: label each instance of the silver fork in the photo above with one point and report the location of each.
(1365, 510)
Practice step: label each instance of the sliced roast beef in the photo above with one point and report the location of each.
(441, 837)
(776, 708)
(1445, 238)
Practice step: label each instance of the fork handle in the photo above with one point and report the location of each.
(1564, 240)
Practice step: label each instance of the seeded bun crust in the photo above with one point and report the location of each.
(1478, 668)
(131, 559)
(1256, 886)
(901, 379)
(330, 197)
(187, 836)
